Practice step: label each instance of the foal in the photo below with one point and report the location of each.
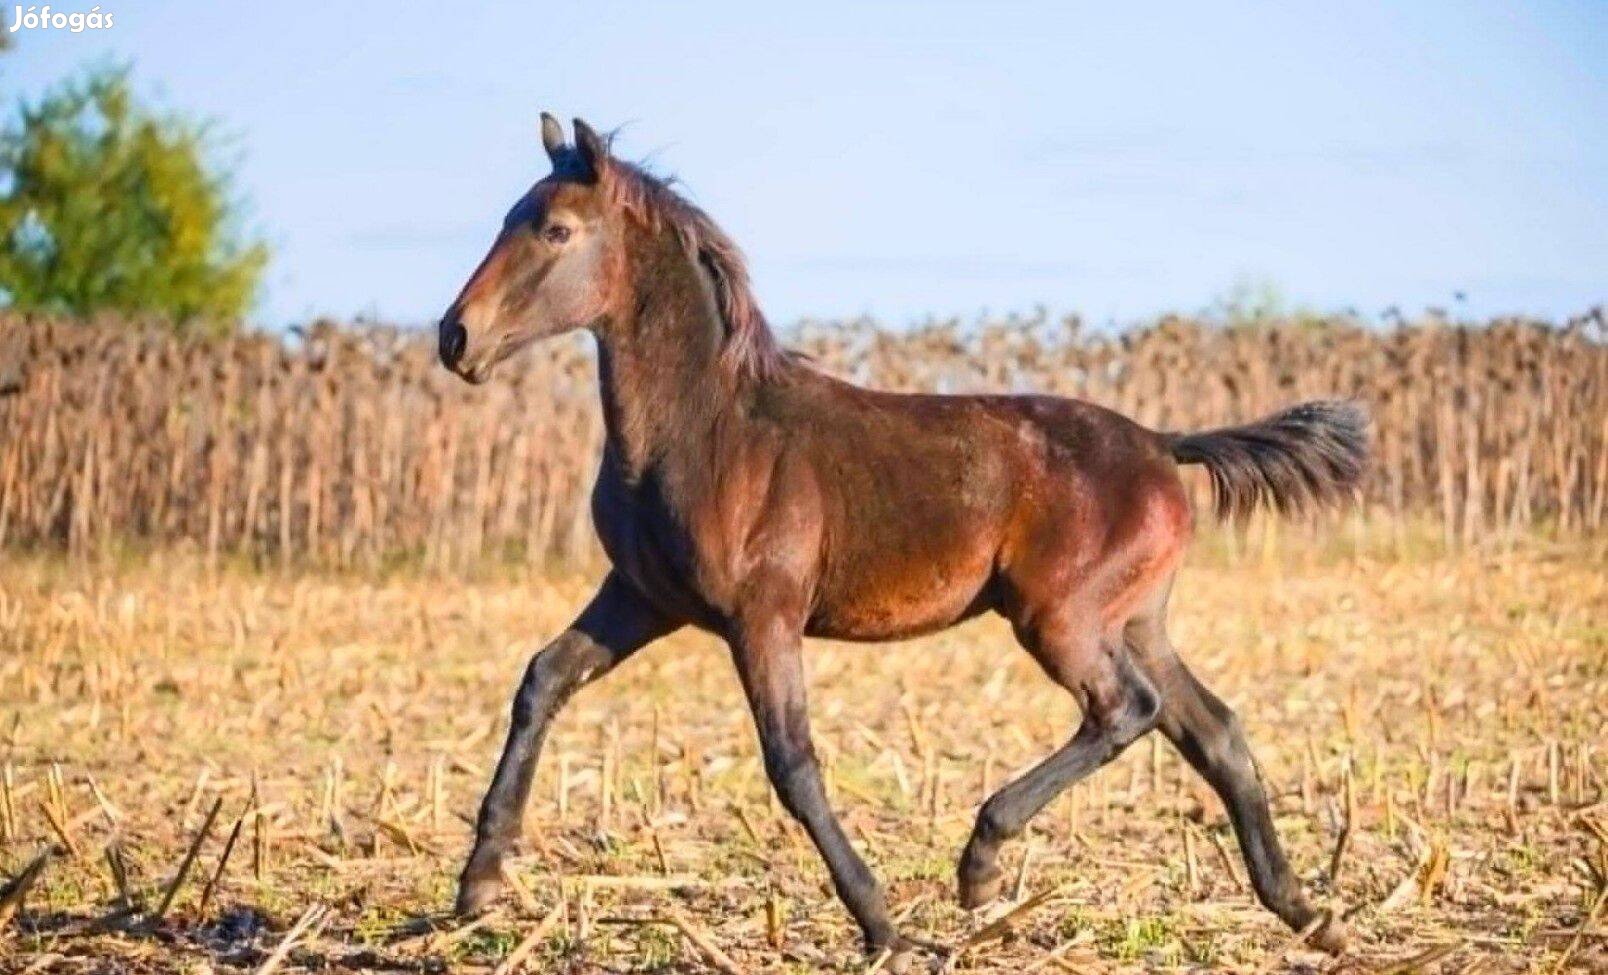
(743, 492)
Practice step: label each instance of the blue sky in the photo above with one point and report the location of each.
(901, 159)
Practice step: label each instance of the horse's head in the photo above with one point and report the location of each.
(548, 271)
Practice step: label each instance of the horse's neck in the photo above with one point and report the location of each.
(663, 385)
(652, 406)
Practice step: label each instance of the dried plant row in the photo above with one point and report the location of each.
(349, 446)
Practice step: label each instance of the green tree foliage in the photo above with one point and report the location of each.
(105, 206)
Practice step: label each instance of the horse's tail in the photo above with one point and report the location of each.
(1313, 453)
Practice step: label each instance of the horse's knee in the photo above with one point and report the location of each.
(554, 672)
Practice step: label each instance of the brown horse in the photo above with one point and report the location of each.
(748, 494)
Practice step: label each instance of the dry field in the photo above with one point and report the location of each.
(1432, 727)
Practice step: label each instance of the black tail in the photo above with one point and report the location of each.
(1313, 453)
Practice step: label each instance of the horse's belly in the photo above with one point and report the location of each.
(890, 602)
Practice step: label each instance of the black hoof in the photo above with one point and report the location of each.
(479, 886)
(1331, 935)
(980, 886)
(900, 955)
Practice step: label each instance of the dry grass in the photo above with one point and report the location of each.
(356, 449)
(1445, 714)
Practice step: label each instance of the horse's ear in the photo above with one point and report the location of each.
(594, 151)
(552, 137)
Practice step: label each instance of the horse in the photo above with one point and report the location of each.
(746, 492)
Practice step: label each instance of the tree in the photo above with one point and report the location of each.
(105, 206)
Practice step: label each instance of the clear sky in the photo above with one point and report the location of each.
(901, 159)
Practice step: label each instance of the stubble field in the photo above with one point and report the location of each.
(1430, 725)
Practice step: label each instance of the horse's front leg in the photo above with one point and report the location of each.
(615, 624)
(766, 648)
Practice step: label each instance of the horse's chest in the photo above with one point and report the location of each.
(663, 548)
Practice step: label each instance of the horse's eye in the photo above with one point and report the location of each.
(556, 234)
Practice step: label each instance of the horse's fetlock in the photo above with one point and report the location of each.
(993, 827)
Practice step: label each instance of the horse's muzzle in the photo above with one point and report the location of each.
(453, 339)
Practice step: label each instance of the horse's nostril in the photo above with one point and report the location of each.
(454, 337)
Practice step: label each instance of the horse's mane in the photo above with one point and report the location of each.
(750, 345)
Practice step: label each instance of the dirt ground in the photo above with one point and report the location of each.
(1432, 728)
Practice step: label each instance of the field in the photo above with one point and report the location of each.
(263, 605)
(1431, 724)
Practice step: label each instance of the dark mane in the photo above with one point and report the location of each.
(750, 345)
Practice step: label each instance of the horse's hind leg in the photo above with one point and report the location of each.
(1207, 733)
(1119, 705)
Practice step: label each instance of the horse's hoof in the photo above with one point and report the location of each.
(1331, 935)
(477, 888)
(898, 958)
(901, 962)
(980, 888)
